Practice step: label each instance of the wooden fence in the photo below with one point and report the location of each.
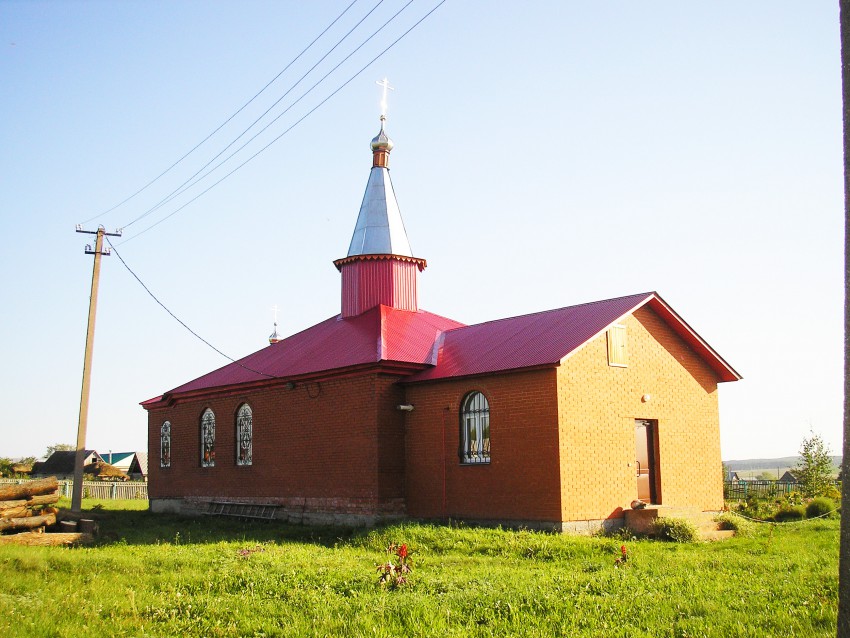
(742, 490)
(732, 490)
(98, 489)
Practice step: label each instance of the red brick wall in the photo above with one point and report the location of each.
(598, 405)
(317, 442)
(562, 439)
(521, 483)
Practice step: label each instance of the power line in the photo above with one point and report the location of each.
(223, 124)
(297, 122)
(178, 320)
(180, 189)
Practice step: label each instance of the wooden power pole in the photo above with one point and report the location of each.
(77, 494)
(844, 551)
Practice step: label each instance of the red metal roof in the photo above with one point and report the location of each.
(384, 334)
(546, 338)
(380, 334)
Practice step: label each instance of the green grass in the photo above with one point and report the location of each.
(158, 575)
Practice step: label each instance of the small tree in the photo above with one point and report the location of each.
(814, 469)
(6, 466)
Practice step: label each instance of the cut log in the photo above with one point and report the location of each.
(11, 506)
(36, 538)
(44, 499)
(27, 523)
(29, 488)
(15, 512)
(4, 505)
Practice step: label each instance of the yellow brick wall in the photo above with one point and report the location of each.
(597, 408)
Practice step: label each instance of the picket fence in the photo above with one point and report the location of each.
(98, 489)
(742, 490)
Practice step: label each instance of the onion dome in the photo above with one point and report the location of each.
(382, 141)
(274, 337)
(381, 147)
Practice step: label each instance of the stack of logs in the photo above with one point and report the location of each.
(27, 509)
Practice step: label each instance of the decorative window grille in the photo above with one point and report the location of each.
(208, 438)
(244, 435)
(165, 445)
(617, 346)
(475, 429)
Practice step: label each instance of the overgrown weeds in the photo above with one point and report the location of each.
(737, 524)
(677, 530)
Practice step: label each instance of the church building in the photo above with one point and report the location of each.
(554, 420)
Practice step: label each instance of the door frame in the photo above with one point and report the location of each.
(651, 428)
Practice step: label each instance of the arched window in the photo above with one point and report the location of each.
(208, 438)
(244, 436)
(475, 429)
(165, 445)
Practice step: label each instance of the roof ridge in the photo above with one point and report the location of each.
(552, 310)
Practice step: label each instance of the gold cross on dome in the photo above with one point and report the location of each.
(386, 84)
(275, 309)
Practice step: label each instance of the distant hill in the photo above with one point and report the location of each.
(754, 466)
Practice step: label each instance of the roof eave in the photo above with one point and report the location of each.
(392, 367)
(421, 264)
(725, 372)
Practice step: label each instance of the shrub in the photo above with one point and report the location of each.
(740, 526)
(792, 498)
(790, 513)
(675, 529)
(833, 493)
(757, 509)
(821, 506)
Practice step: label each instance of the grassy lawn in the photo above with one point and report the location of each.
(158, 575)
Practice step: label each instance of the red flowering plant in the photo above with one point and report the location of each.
(624, 556)
(395, 570)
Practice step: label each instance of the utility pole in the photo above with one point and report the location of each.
(844, 545)
(77, 493)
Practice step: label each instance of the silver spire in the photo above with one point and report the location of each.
(380, 229)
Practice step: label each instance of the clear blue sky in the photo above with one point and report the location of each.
(547, 154)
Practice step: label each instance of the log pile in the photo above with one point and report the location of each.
(26, 510)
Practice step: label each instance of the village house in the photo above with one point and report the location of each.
(133, 464)
(61, 464)
(788, 477)
(558, 419)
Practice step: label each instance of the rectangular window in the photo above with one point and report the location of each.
(617, 346)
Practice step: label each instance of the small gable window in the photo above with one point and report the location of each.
(208, 438)
(475, 429)
(244, 436)
(165, 445)
(617, 346)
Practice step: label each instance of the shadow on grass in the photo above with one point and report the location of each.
(142, 527)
